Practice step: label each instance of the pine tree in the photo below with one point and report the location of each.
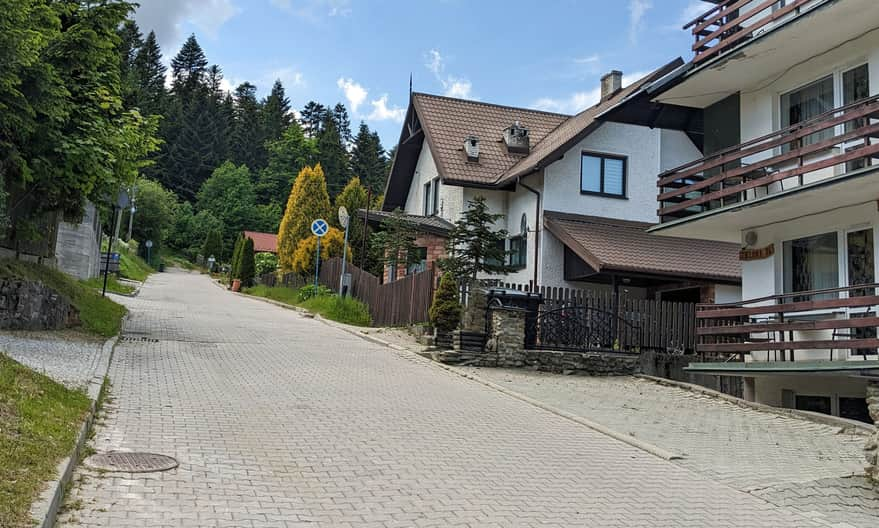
(130, 44)
(308, 201)
(393, 244)
(247, 146)
(368, 160)
(312, 118)
(149, 73)
(189, 69)
(473, 247)
(333, 157)
(276, 113)
(343, 123)
(445, 311)
(246, 265)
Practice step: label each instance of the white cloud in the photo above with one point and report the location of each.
(290, 78)
(637, 11)
(453, 86)
(579, 101)
(591, 59)
(167, 18)
(354, 92)
(314, 9)
(381, 111)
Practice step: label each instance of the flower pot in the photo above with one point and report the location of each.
(236, 285)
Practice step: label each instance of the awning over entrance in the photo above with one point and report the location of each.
(598, 248)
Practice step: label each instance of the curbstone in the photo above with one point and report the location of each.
(45, 509)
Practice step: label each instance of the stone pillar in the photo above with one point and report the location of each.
(508, 336)
(473, 320)
(872, 447)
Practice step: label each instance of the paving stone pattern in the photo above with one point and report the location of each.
(812, 467)
(281, 420)
(66, 357)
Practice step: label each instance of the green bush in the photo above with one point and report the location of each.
(235, 265)
(445, 311)
(265, 263)
(307, 292)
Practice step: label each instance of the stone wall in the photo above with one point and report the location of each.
(588, 363)
(872, 448)
(26, 305)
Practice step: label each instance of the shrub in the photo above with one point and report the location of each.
(235, 265)
(310, 291)
(330, 246)
(265, 263)
(246, 266)
(445, 311)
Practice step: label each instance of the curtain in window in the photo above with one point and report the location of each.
(806, 103)
(811, 263)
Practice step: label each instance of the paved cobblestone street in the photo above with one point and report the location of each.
(282, 420)
(67, 357)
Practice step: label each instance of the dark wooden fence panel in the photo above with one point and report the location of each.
(657, 325)
(402, 302)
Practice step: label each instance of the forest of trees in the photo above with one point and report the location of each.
(88, 108)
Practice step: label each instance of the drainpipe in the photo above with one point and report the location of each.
(537, 225)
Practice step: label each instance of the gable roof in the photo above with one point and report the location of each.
(448, 122)
(572, 131)
(607, 245)
(263, 242)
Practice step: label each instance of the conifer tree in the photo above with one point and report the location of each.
(473, 246)
(308, 201)
(445, 311)
(131, 42)
(276, 113)
(189, 69)
(343, 123)
(247, 145)
(246, 264)
(213, 245)
(333, 157)
(368, 160)
(286, 157)
(353, 198)
(393, 245)
(312, 118)
(331, 245)
(149, 73)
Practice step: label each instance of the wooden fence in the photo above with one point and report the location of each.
(402, 302)
(649, 324)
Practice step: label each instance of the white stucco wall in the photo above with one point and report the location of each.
(640, 145)
(726, 293)
(768, 390)
(675, 150)
(451, 198)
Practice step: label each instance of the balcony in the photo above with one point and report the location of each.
(733, 22)
(835, 324)
(836, 143)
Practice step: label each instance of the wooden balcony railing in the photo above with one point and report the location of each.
(732, 22)
(783, 324)
(836, 142)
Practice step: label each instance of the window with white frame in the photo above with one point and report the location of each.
(425, 199)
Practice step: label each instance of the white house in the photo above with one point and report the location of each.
(782, 100)
(577, 194)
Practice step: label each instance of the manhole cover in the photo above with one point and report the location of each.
(131, 462)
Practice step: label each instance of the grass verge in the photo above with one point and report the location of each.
(39, 421)
(343, 310)
(99, 315)
(133, 267)
(113, 285)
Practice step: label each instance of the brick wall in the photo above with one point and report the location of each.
(436, 249)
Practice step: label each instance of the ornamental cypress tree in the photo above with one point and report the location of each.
(353, 197)
(235, 265)
(473, 247)
(246, 265)
(445, 311)
(308, 201)
(213, 245)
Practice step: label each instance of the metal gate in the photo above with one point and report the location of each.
(580, 329)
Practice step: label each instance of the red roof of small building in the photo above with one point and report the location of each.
(263, 242)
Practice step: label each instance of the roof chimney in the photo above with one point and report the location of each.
(611, 83)
(516, 139)
(471, 147)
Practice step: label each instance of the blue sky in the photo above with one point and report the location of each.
(545, 54)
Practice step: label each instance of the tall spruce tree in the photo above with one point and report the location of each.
(149, 73)
(276, 112)
(343, 123)
(312, 118)
(189, 69)
(368, 161)
(286, 157)
(333, 157)
(247, 146)
(131, 42)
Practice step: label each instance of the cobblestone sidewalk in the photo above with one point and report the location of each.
(281, 420)
(67, 357)
(812, 467)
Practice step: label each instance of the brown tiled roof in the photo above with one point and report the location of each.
(448, 122)
(263, 242)
(608, 244)
(575, 129)
(430, 224)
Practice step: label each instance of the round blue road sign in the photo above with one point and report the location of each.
(319, 227)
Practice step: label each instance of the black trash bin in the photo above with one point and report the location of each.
(519, 299)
